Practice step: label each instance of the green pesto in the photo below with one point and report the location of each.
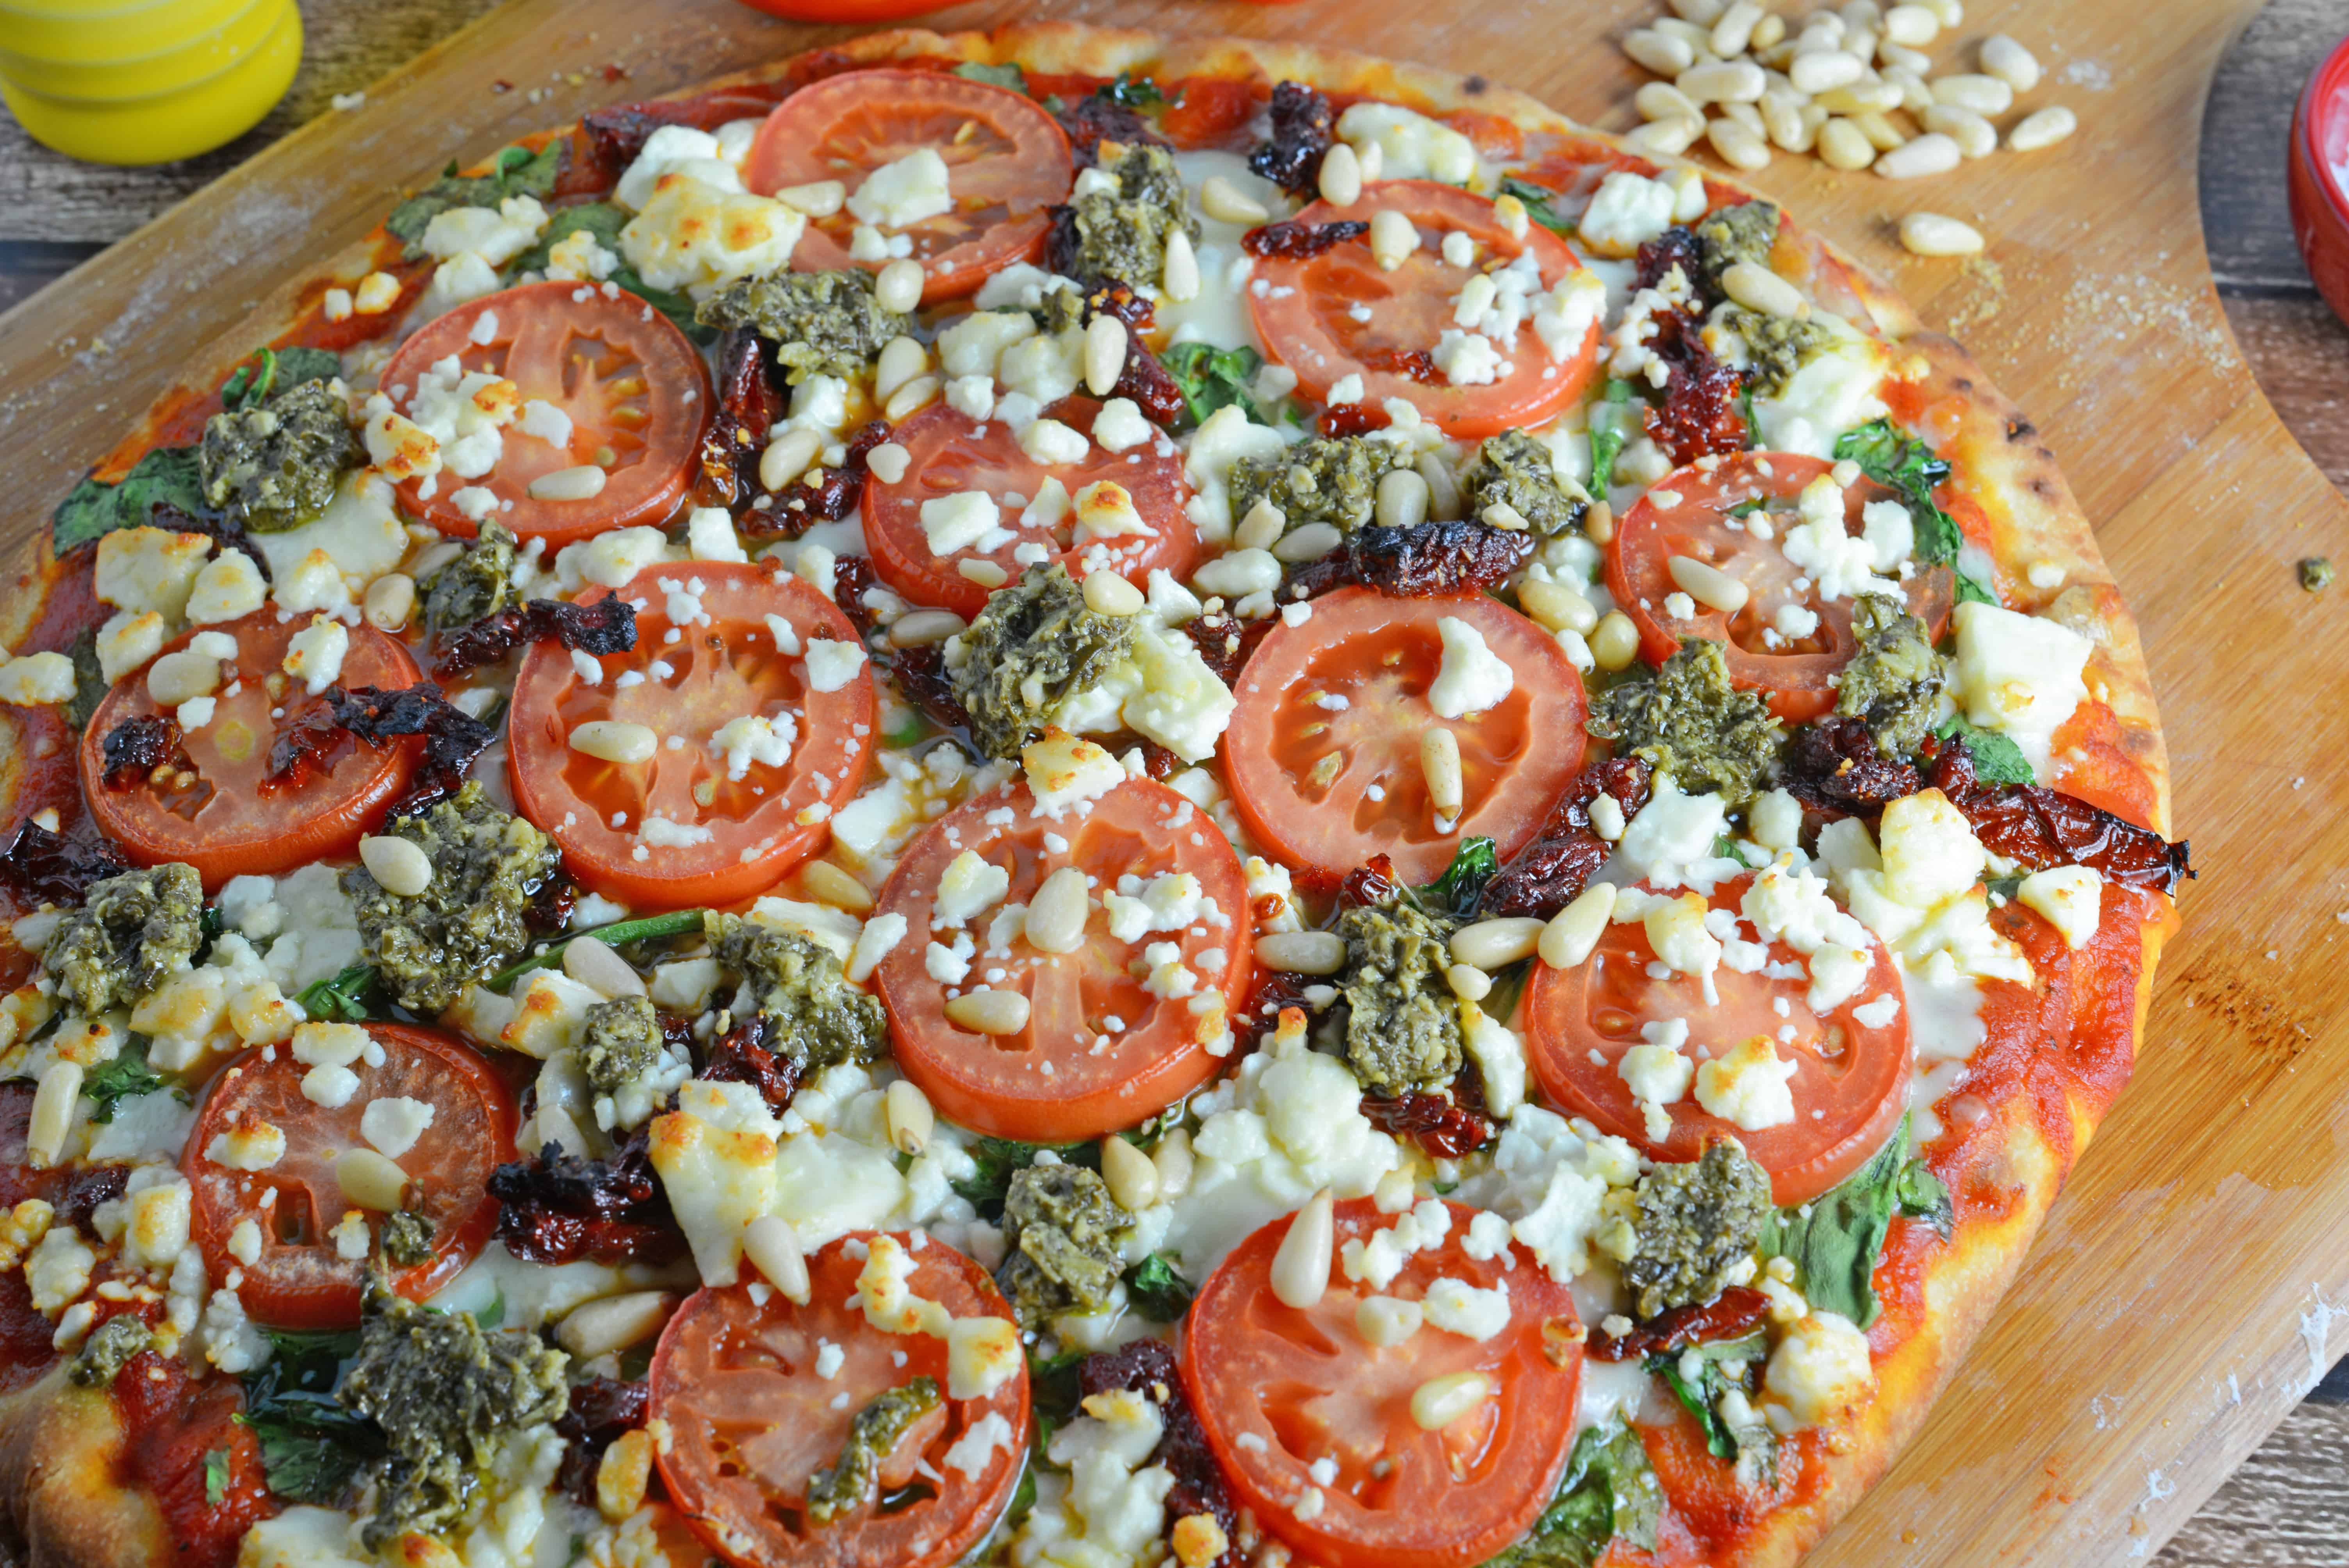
(1514, 470)
(1689, 721)
(476, 583)
(1033, 645)
(1122, 235)
(1775, 347)
(1894, 680)
(1697, 1220)
(469, 923)
(1745, 233)
(2317, 573)
(1402, 1026)
(819, 1019)
(276, 465)
(444, 1392)
(822, 323)
(117, 1339)
(854, 1480)
(620, 1040)
(1332, 479)
(131, 932)
(1060, 1234)
(408, 1238)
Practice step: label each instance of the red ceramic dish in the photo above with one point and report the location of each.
(2318, 180)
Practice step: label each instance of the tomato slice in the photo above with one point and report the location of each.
(223, 821)
(735, 1381)
(1100, 1050)
(1337, 314)
(1280, 1391)
(631, 385)
(300, 1280)
(1850, 1081)
(1006, 162)
(727, 836)
(1796, 672)
(1351, 683)
(952, 453)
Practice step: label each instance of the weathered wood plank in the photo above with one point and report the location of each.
(2247, 125)
(2282, 1508)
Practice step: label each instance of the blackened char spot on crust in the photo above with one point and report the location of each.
(2019, 428)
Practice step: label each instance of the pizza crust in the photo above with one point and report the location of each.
(60, 1505)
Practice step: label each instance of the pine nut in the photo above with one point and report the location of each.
(1387, 1321)
(1310, 543)
(817, 199)
(1892, 58)
(1782, 117)
(1881, 133)
(773, 1249)
(1827, 69)
(985, 573)
(1438, 759)
(593, 962)
(1662, 100)
(1739, 145)
(1758, 288)
(1665, 137)
(1982, 94)
(391, 600)
(788, 456)
(1440, 1401)
(2010, 62)
(1842, 146)
(1341, 176)
(1468, 982)
(1224, 201)
(1107, 593)
(1173, 1160)
(1949, 13)
(1260, 528)
(919, 628)
(1659, 52)
(1861, 41)
(1502, 515)
(1616, 641)
(1975, 136)
(1056, 914)
(53, 1110)
(828, 883)
(1744, 114)
(613, 1323)
(1104, 355)
(1698, 13)
(1861, 97)
(1708, 585)
(1916, 97)
(985, 1012)
(1180, 279)
(1301, 952)
(902, 359)
(1492, 944)
(911, 1120)
(1768, 33)
(2044, 128)
(1911, 27)
(1557, 606)
(1932, 153)
(1723, 81)
(553, 1124)
(1931, 234)
(1574, 932)
(908, 399)
(1732, 34)
(1599, 523)
(1392, 239)
(1300, 1269)
(181, 677)
(398, 866)
(1132, 1180)
(584, 482)
(370, 1180)
(1402, 497)
(615, 740)
(897, 287)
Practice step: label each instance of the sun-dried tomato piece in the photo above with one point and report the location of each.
(852, 577)
(558, 1207)
(1224, 644)
(309, 741)
(2039, 829)
(1151, 386)
(1304, 124)
(922, 672)
(750, 404)
(1416, 363)
(606, 626)
(1114, 297)
(1433, 558)
(1370, 882)
(1445, 1124)
(1700, 415)
(1095, 118)
(77, 1193)
(1735, 1313)
(1157, 760)
(745, 1053)
(1276, 990)
(1547, 874)
(549, 910)
(41, 867)
(1148, 1368)
(1340, 420)
(602, 1409)
(452, 737)
(1300, 242)
(139, 746)
(1833, 766)
(1676, 247)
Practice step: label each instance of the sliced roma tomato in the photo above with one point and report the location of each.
(630, 383)
(1006, 162)
(1798, 673)
(221, 820)
(301, 1279)
(952, 453)
(735, 1381)
(1337, 314)
(1850, 1082)
(706, 656)
(842, 10)
(1323, 753)
(1281, 1390)
(1100, 1050)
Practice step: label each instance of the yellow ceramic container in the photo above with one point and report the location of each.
(92, 86)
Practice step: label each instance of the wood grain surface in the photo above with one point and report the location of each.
(2190, 1285)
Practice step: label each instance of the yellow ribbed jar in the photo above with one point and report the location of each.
(148, 81)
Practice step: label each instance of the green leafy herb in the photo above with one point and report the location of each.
(273, 370)
(1158, 1290)
(216, 1476)
(1973, 592)
(340, 999)
(1131, 92)
(1001, 1159)
(1610, 1489)
(677, 922)
(1996, 758)
(1462, 883)
(1053, 1380)
(311, 1447)
(514, 172)
(1836, 1240)
(125, 1078)
(1004, 75)
(90, 685)
(1906, 464)
(1213, 379)
(1607, 435)
(1701, 1395)
(168, 476)
(1536, 199)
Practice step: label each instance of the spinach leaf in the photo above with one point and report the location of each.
(1607, 435)
(514, 172)
(1996, 758)
(1973, 592)
(1003, 76)
(1536, 199)
(1610, 1489)
(126, 1076)
(1053, 1385)
(1836, 1240)
(311, 1447)
(676, 922)
(1700, 1395)
(1213, 379)
(1001, 1159)
(90, 685)
(1128, 92)
(1906, 464)
(1455, 892)
(168, 476)
(1157, 1290)
(216, 1476)
(274, 370)
(342, 999)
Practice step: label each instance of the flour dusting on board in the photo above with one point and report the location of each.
(2089, 74)
(2316, 1329)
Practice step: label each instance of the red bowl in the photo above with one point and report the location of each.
(2318, 179)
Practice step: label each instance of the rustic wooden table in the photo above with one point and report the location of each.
(2285, 1507)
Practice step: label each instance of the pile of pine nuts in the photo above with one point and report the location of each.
(1748, 79)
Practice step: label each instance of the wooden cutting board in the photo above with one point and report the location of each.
(2183, 1296)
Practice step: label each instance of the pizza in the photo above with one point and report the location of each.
(1050, 797)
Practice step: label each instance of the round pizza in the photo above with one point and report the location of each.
(1052, 798)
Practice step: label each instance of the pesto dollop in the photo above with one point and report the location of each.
(408, 1238)
(1332, 479)
(1745, 233)
(1034, 644)
(1060, 1234)
(1895, 680)
(1121, 234)
(1690, 722)
(1697, 1220)
(129, 933)
(443, 1391)
(477, 583)
(469, 922)
(827, 324)
(819, 1019)
(618, 1041)
(1777, 346)
(1402, 1026)
(102, 1354)
(854, 1480)
(275, 465)
(1513, 470)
